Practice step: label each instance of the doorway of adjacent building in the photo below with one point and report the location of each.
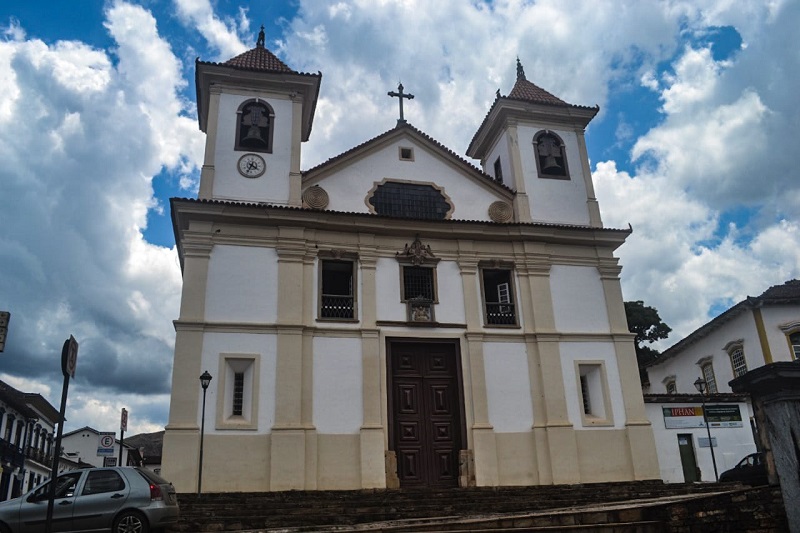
(688, 459)
(426, 422)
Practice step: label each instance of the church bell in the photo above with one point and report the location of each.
(551, 164)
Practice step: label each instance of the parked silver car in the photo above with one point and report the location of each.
(120, 499)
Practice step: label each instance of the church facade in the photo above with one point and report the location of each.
(397, 316)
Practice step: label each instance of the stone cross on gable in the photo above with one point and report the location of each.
(400, 95)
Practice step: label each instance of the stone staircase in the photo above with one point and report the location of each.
(637, 507)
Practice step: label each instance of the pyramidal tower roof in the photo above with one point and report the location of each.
(261, 70)
(259, 58)
(526, 102)
(525, 90)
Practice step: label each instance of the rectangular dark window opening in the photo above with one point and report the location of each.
(418, 283)
(238, 393)
(587, 406)
(499, 297)
(498, 171)
(337, 290)
(406, 154)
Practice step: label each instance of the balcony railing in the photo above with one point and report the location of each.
(11, 454)
(336, 306)
(498, 314)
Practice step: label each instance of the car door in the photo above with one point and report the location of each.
(102, 495)
(33, 511)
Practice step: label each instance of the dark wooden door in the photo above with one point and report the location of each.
(688, 459)
(426, 413)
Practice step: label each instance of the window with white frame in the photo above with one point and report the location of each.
(237, 399)
(592, 385)
(708, 375)
(738, 362)
(794, 343)
(497, 286)
(707, 371)
(670, 384)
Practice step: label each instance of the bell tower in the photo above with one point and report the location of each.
(534, 143)
(256, 112)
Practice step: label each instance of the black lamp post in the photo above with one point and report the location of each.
(205, 379)
(702, 387)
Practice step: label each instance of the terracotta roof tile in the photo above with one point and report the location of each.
(258, 58)
(525, 90)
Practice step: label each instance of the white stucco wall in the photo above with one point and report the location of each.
(85, 444)
(265, 346)
(684, 366)
(579, 303)
(337, 385)
(553, 200)
(449, 289)
(591, 352)
(240, 284)
(273, 185)
(732, 444)
(349, 186)
(508, 386)
(451, 293)
(500, 149)
(775, 317)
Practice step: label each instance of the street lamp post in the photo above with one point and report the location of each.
(205, 379)
(702, 387)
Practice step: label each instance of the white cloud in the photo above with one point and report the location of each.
(221, 34)
(81, 141)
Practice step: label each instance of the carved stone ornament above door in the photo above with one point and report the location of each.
(416, 253)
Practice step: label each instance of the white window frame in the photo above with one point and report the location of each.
(229, 365)
(592, 376)
(706, 365)
(735, 350)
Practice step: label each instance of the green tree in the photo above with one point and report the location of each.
(644, 321)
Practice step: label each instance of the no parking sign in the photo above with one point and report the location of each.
(106, 444)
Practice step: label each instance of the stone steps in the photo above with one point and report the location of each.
(337, 510)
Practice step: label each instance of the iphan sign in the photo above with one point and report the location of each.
(719, 416)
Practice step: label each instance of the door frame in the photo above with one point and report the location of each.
(456, 343)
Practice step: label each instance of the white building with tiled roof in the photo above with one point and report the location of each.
(27, 432)
(397, 316)
(756, 331)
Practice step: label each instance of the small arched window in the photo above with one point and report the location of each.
(550, 155)
(254, 126)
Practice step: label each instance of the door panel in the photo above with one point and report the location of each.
(426, 413)
(688, 459)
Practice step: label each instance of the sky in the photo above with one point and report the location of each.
(695, 146)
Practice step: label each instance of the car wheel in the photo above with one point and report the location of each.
(131, 522)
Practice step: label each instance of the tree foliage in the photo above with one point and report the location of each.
(644, 321)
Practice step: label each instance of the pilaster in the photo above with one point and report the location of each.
(522, 207)
(207, 172)
(591, 200)
(295, 177)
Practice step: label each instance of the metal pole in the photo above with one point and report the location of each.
(121, 444)
(710, 442)
(202, 434)
(56, 456)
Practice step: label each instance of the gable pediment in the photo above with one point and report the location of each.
(406, 165)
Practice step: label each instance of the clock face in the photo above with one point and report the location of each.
(251, 165)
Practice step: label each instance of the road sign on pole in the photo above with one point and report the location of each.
(69, 357)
